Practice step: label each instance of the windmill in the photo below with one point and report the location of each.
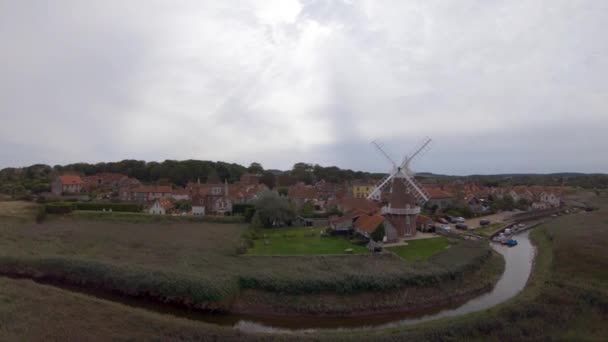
(403, 173)
(406, 195)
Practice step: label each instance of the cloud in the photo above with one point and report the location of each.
(501, 86)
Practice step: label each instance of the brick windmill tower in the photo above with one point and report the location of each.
(405, 196)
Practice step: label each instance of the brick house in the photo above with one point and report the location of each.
(105, 181)
(212, 198)
(438, 197)
(250, 179)
(67, 184)
(149, 193)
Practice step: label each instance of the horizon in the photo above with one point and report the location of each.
(325, 166)
(501, 88)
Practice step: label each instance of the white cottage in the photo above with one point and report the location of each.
(160, 207)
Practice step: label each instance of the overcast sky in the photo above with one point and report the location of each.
(500, 86)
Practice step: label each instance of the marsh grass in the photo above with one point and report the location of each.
(198, 261)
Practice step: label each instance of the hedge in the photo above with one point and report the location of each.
(118, 207)
(241, 208)
(58, 208)
(66, 208)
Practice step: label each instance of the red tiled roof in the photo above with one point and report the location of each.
(105, 178)
(368, 223)
(166, 204)
(70, 180)
(302, 192)
(153, 188)
(437, 193)
(181, 191)
(349, 203)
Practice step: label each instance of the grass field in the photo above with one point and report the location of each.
(566, 299)
(301, 241)
(17, 210)
(196, 262)
(419, 250)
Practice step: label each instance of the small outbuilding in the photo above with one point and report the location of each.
(161, 206)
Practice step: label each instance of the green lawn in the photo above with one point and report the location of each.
(420, 249)
(300, 241)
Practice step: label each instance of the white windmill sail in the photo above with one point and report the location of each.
(404, 174)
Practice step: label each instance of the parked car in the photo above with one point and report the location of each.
(445, 229)
(450, 219)
(459, 220)
(484, 222)
(442, 220)
(461, 226)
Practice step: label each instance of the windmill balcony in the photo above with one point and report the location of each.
(401, 211)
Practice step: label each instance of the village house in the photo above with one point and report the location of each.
(250, 179)
(438, 198)
(198, 205)
(161, 206)
(362, 189)
(212, 198)
(345, 222)
(478, 205)
(347, 204)
(424, 223)
(301, 193)
(67, 184)
(149, 193)
(180, 194)
(367, 224)
(240, 193)
(104, 181)
(125, 186)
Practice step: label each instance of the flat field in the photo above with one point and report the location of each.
(301, 241)
(419, 250)
(17, 210)
(197, 263)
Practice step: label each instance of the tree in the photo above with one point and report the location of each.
(283, 191)
(303, 172)
(273, 210)
(308, 209)
(268, 179)
(379, 233)
(255, 168)
(522, 204)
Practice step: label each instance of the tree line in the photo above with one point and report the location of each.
(37, 178)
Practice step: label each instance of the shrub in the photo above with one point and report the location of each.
(378, 234)
(58, 208)
(248, 215)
